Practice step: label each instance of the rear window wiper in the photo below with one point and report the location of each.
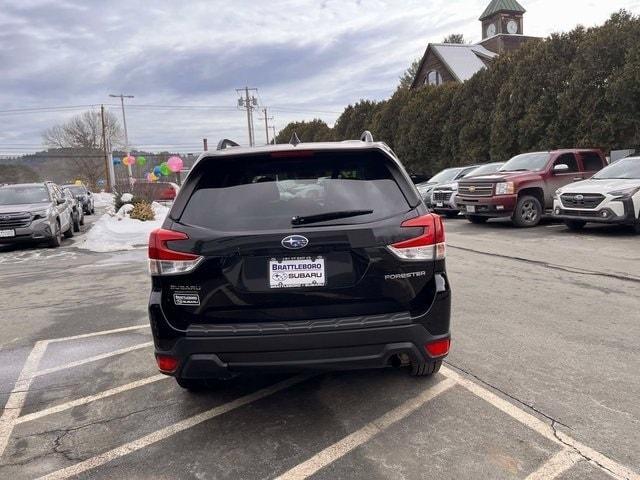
(322, 217)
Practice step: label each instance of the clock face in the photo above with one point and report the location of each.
(491, 30)
(512, 27)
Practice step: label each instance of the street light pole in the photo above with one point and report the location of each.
(124, 123)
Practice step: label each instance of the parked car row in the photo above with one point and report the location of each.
(41, 212)
(576, 186)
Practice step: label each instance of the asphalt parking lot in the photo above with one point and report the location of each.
(542, 381)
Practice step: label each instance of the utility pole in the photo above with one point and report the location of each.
(273, 129)
(205, 145)
(249, 103)
(124, 122)
(266, 123)
(104, 150)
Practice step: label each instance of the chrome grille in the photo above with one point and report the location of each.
(441, 196)
(582, 200)
(476, 189)
(14, 220)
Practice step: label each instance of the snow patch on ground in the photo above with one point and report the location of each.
(103, 199)
(119, 232)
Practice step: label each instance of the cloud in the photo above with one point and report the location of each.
(306, 57)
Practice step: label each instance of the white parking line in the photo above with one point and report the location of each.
(90, 398)
(92, 359)
(556, 465)
(166, 432)
(18, 395)
(598, 459)
(364, 434)
(95, 334)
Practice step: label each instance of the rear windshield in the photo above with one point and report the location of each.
(264, 193)
(23, 194)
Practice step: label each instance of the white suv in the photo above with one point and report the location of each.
(610, 196)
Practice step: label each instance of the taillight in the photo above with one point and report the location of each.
(167, 363)
(430, 245)
(163, 260)
(439, 348)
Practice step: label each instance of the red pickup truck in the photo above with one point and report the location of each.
(523, 188)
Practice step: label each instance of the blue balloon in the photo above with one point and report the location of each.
(116, 161)
(156, 171)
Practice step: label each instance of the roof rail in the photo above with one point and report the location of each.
(294, 139)
(366, 137)
(226, 143)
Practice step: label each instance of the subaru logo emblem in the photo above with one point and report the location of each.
(579, 197)
(294, 242)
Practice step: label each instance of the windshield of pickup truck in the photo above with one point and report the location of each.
(527, 162)
(19, 195)
(626, 169)
(445, 176)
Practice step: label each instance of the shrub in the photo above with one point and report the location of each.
(142, 211)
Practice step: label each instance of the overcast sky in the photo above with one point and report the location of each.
(309, 58)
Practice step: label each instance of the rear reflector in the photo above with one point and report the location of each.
(430, 245)
(163, 260)
(439, 348)
(167, 363)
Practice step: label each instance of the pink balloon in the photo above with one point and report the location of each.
(175, 164)
(129, 160)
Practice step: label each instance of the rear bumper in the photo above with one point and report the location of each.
(220, 352)
(497, 206)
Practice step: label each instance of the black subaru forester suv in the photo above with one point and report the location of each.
(308, 256)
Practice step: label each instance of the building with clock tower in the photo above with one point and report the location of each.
(502, 32)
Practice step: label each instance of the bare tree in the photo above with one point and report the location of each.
(455, 38)
(80, 141)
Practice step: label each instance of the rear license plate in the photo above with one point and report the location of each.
(297, 272)
(439, 204)
(471, 209)
(7, 233)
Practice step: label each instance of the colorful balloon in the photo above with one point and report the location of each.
(129, 160)
(116, 161)
(156, 171)
(164, 169)
(151, 177)
(175, 164)
(141, 161)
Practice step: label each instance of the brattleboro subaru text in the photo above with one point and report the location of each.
(305, 256)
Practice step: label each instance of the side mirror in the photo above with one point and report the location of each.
(561, 168)
(61, 201)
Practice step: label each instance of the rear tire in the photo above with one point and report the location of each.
(575, 225)
(528, 212)
(475, 219)
(69, 232)
(636, 227)
(76, 224)
(425, 369)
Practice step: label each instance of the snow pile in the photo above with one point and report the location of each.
(119, 232)
(103, 199)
